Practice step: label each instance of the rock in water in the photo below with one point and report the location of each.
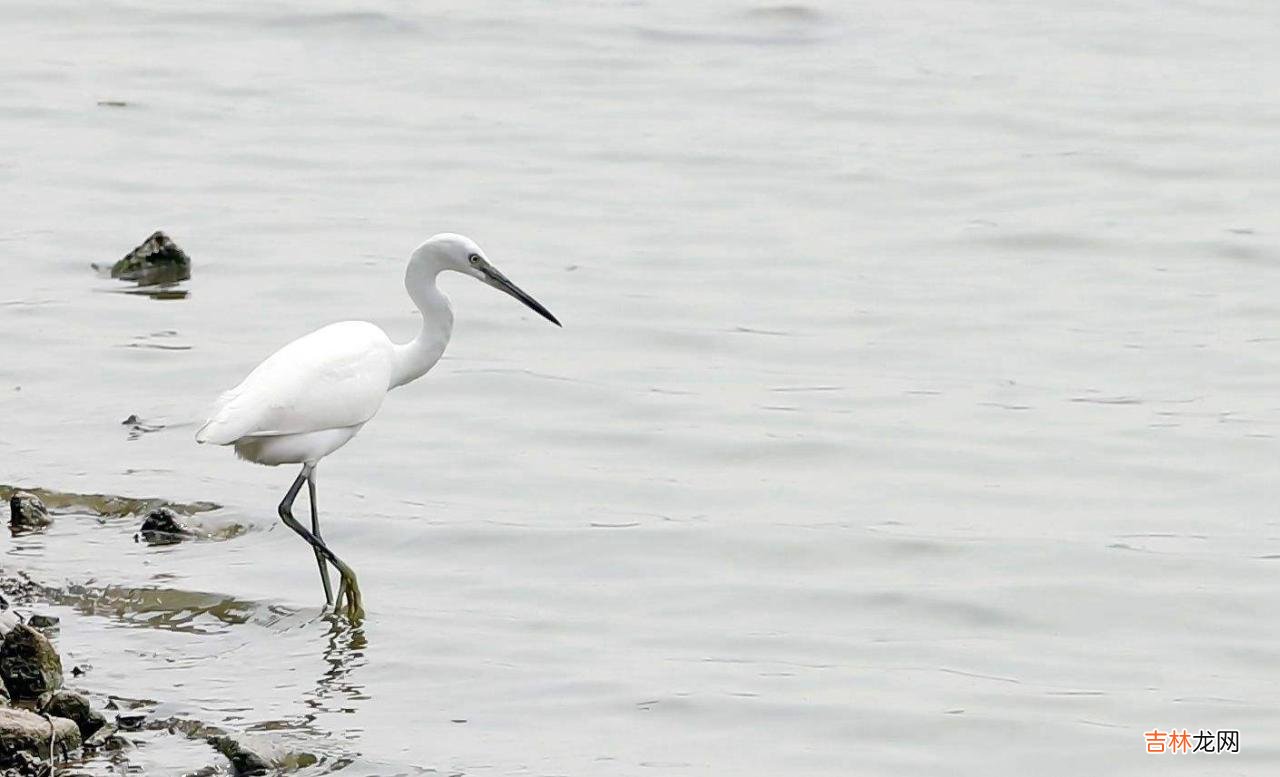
(74, 707)
(26, 511)
(41, 621)
(28, 663)
(157, 260)
(23, 731)
(107, 739)
(244, 756)
(163, 527)
(253, 754)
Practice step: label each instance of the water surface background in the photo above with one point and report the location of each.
(915, 409)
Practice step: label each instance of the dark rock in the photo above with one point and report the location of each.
(247, 756)
(107, 739)
(131, 721)
(26, 511)
(157, 260)
(256, 754)
(41, 621)
(23, 731)
(73, 706)
(164, 527)
(28, 663)
(192, 729)
(98, 739)
(19, 588)
(24, 764)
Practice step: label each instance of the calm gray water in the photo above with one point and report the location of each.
(915, 412)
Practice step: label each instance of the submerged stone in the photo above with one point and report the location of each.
(28, 663)
(106, 738)
(138, 427)
(247, 755)
(41, 621)
(107, 505)
(26, 511)
(75, 707)
(255, 754)
(25, 732)
(157, 260)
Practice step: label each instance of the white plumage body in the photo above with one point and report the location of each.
(308, 447)
(307, 399)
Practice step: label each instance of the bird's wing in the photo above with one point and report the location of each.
(334, 377)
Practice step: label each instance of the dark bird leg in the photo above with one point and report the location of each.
(348, 587)
(310, 472)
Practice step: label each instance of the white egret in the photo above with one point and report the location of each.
(309, 398)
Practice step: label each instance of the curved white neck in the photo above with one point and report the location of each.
(414, 358)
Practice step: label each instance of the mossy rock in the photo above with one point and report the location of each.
(28, 664)
(157, 260)
(26, 511)
(74, 707)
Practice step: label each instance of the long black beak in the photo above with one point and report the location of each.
(499, 281)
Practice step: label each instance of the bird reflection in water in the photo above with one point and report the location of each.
(336, 690)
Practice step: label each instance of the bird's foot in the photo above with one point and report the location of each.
(349, 597)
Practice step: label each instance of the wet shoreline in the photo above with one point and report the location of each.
(177, 743)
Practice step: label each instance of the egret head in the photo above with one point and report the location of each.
(448, 251)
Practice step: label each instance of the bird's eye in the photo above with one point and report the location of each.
(474, 259)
